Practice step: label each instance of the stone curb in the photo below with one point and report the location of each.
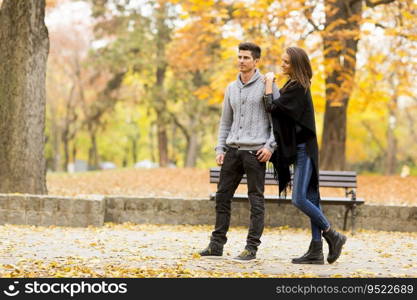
(95, 210)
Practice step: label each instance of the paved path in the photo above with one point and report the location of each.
(128, 250)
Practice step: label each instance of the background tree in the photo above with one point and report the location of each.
(136, 98)
(341, 33)
(24, 48)
(382, 99)
(193, 56)
(66, 84)
(146, 37)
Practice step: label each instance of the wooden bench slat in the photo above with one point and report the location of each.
(338, 184)
(322, 178)
(321, 172)
(338, 179)
(321, 183)
(276, 198)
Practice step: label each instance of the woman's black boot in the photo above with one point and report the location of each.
(336, 241)
(314, 255)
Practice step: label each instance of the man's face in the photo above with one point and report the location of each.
(246, 62)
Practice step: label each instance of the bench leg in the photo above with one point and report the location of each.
(348, 208)
(353, 218)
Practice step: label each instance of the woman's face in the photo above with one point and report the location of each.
(286, 65)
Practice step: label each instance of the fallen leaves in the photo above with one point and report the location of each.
(170, 251)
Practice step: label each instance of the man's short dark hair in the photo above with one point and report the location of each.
(254, 49)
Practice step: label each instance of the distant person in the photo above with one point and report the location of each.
(405, 171)
(295, 133)
(245, 144)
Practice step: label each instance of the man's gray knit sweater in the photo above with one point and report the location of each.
(244, 123)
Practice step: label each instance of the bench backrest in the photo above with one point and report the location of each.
(336, 179)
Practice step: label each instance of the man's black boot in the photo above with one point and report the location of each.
(246, 255)
(314, 255)
(336, 241)
(212, 250)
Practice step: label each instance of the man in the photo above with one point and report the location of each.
(245, 143)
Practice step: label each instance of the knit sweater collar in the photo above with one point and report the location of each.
(254, 78)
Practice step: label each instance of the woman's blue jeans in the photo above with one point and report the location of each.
(305, 196)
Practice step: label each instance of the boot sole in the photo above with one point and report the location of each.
(212, 257)
(244, 260)
(316, 262)
(340, 251)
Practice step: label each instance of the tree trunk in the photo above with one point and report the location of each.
(192, 151)
(152, 145)
(194, 132)
(24, 46)
(133, 140)
(93, 151)
(162, 140)
(125, 157)
(391, 158)
(332, 154)
(65, 143)
(194, 128)
(74, 152)
(67, 134)
(162, 39)
(340, 40)
(55, 139)
(135, 149)
(56, 160)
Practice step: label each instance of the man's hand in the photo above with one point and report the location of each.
(263, 155)
(220, 159)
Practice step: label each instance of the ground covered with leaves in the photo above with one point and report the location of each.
(129, 250)
(194, 183)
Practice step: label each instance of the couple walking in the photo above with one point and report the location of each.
(261, 123)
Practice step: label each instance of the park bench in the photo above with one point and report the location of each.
(330, 179)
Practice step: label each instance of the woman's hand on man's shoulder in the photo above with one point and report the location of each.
(270, 76)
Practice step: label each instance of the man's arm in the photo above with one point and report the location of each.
(226, 121)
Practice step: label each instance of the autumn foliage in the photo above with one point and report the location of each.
(146, 83)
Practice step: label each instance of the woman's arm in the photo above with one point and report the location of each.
(288, 102)
(269, 81)
(269, 92)
(269, 104)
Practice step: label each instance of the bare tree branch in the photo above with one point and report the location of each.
(308, 12)
(406, 36)
(180, 126)
(316, 28)
(374, 136)
(303, 37)
(380, 25)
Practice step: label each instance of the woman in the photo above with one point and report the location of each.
(295, 133)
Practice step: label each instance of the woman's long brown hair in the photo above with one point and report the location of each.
(300, 66)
